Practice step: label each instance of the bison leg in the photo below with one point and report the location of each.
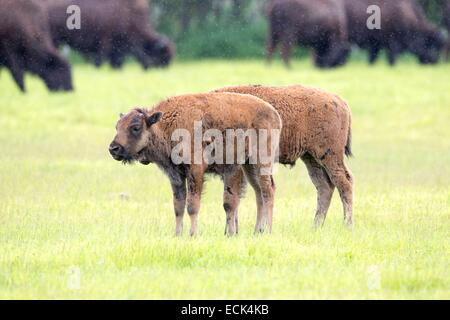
(179, 203)
(252, 178)
(447, 52)
(393, 51)
(342, 178)
(324, 188)
(104, 51)
(195, 186)
(286, 51)
(142, 57)
(272, 43)
(264, 187)
(373, 54)
(268, 193)
(231, 199)
(15, 66)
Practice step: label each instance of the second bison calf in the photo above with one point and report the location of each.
(242, 128)
(317, 130)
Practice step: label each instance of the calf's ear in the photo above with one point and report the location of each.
(154, 118)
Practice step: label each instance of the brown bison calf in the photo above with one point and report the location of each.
(26, 45)
(316, 129)
(152, 136)
(321, 25)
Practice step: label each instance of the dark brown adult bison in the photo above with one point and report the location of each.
(404, 27)
(110, 31)
(153, 136)
(446, 23)
(319, 24)
(317, 130)
(26, 45)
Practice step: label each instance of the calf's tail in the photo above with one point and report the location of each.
(348, 146)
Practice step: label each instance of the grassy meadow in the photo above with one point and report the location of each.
(76, 224)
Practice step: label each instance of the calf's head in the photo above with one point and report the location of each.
(133, 133)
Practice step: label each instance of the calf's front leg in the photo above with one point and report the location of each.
(179, 203)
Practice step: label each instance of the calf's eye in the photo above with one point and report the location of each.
(135, 129)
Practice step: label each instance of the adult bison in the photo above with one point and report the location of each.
(320, 25)
(403, 27)
(111, 30)
(205, 122)
(26, 45)
(446, 23)
(317, 130)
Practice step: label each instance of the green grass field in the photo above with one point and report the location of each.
(76, 224)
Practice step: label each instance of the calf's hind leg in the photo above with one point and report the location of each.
(254, 182)
(231, 199)
(342, 178)
(264, 187)
(195, 186)
(324, 187)
(267, 185)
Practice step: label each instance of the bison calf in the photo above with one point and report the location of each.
(317, 130)
(153, 136)
(26, 45)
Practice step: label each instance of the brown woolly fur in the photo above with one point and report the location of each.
(316, 129)
(146, 136)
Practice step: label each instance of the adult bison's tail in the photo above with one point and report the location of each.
(348, 146)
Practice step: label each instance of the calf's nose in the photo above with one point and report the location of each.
(115, 149)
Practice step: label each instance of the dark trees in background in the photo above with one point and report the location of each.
(433, 9)
(184, 14)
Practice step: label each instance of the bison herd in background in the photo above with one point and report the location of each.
(32, 30)
(112, 30)
(330, 27)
